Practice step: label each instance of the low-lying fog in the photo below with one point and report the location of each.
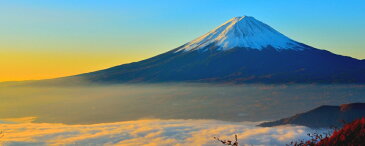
(100, 104)
(161, 114)
(150, 132)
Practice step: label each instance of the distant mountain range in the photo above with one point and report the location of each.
(242, 50)
(324, 116)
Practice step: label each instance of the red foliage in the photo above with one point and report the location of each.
(352, 134)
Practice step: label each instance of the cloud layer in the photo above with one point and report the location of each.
(148, 132)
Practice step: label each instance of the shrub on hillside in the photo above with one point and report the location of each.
(352, 134)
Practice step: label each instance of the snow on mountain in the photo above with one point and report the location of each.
(245, 32)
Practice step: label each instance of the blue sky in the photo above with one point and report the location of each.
(111, 32)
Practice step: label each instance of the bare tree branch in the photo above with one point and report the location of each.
(228, 142)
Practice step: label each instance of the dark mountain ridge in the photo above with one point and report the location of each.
(324, 116)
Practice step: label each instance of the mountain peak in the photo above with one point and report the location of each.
(242, 32)
(239, 18)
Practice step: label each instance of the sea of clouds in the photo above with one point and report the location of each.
(147, 132)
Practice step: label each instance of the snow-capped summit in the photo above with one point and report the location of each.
(244, 32)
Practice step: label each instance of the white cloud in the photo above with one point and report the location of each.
(147, 132)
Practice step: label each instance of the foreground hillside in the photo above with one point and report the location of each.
(352, 134)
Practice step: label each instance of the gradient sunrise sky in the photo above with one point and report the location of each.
(52, 38)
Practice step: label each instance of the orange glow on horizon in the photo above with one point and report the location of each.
(36, 66)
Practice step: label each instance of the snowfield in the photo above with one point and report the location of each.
(245, 32)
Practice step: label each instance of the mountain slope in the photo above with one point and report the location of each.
(238, 65)
(324, 116)
(242, 50)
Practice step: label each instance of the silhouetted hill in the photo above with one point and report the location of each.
(324, 116)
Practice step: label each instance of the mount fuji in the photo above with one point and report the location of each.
(242, 50)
